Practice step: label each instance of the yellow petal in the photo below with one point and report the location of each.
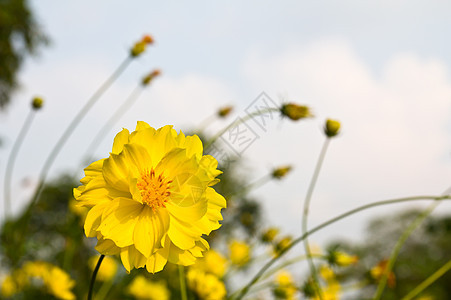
(94, 169)
(106, 247)
(132, 258)
(93, 218)
(141, 125)
(120, 140)
(180, 257)
(149, 230)
(115, 172)
(119, 221)
(157, 261)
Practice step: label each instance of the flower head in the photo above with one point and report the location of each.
(149, 77)
(107, 269)
(225, 111)
(206, 286)
(212, 262)
(37, 103)
(239, 253)
(295, 112)
(281, 172)
(332, 128)
(151, 200)
(142, 288)
(269, 235)
(284, 287)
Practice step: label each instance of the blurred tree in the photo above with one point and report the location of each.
(424, 252)
(20, 35)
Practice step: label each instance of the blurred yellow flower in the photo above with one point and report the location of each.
(107, 269)
(9, 287)
(285, 287)
(50, 278)
(206, 286)
(151, 200)
(282, 245)
(213, 262)
(142, 288)
(343, 259)
(378, 271)
(269, 235)
(239, 253)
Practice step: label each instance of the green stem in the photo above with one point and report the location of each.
(259, 274)
(236, 123)
(418, 220)
(12, 160)
(94, 274)
(307, 200)
(182, 283)
(430, 280)
(67, 133)
(128, 103)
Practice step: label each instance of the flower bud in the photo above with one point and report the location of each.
(225, 111)
(37, 103)
(147, 39)
(138, 48)
(295, 112)
(332, 128)
(146, 80)
(282, 245)
(281, 172)
(269, 235)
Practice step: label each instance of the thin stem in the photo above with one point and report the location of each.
(12, 160)
(182, 282)
(307, 200)
(238, 122)
(430, 280)
(67, 133)
(259, 274)
(128, 103)
(94, 274)
(395, 252)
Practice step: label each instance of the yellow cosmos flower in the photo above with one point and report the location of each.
(151, 200)
(239, 253)
(206, 286)
(142, 288)
(285, 287)
(107, 269)
(213, 262)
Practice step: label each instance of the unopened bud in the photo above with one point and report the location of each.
(225, 111)
(295, 112)
(147, 39)
(37, 103)
(138, 48)
(332, 128)
(269, 235)
(146, 80)
(282, 245)
(281, 172)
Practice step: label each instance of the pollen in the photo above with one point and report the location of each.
(155, 191)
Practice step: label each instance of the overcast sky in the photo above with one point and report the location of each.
(381, 67)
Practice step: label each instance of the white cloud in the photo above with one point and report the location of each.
(394, 140)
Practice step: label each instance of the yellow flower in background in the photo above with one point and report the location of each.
(285, 287)
(206, 286)
(239, 253)
(378, 271)
(107, 269)
(151, 200)
(142, 288)
(49, 278)
(9, 287)
(213, 262)
(269, 235)
(343, 259)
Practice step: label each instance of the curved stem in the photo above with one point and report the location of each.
(67, 133)
(307, 200)
(395, 252)
(182, 282)
(128, 103)
(12, 160)
(94, 274)
(329, 222)
(430, 280)
(237, 122)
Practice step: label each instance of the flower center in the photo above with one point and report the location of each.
(154, 190)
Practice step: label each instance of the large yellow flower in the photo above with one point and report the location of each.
(151, 200)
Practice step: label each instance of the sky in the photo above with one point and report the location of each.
(380, 67)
